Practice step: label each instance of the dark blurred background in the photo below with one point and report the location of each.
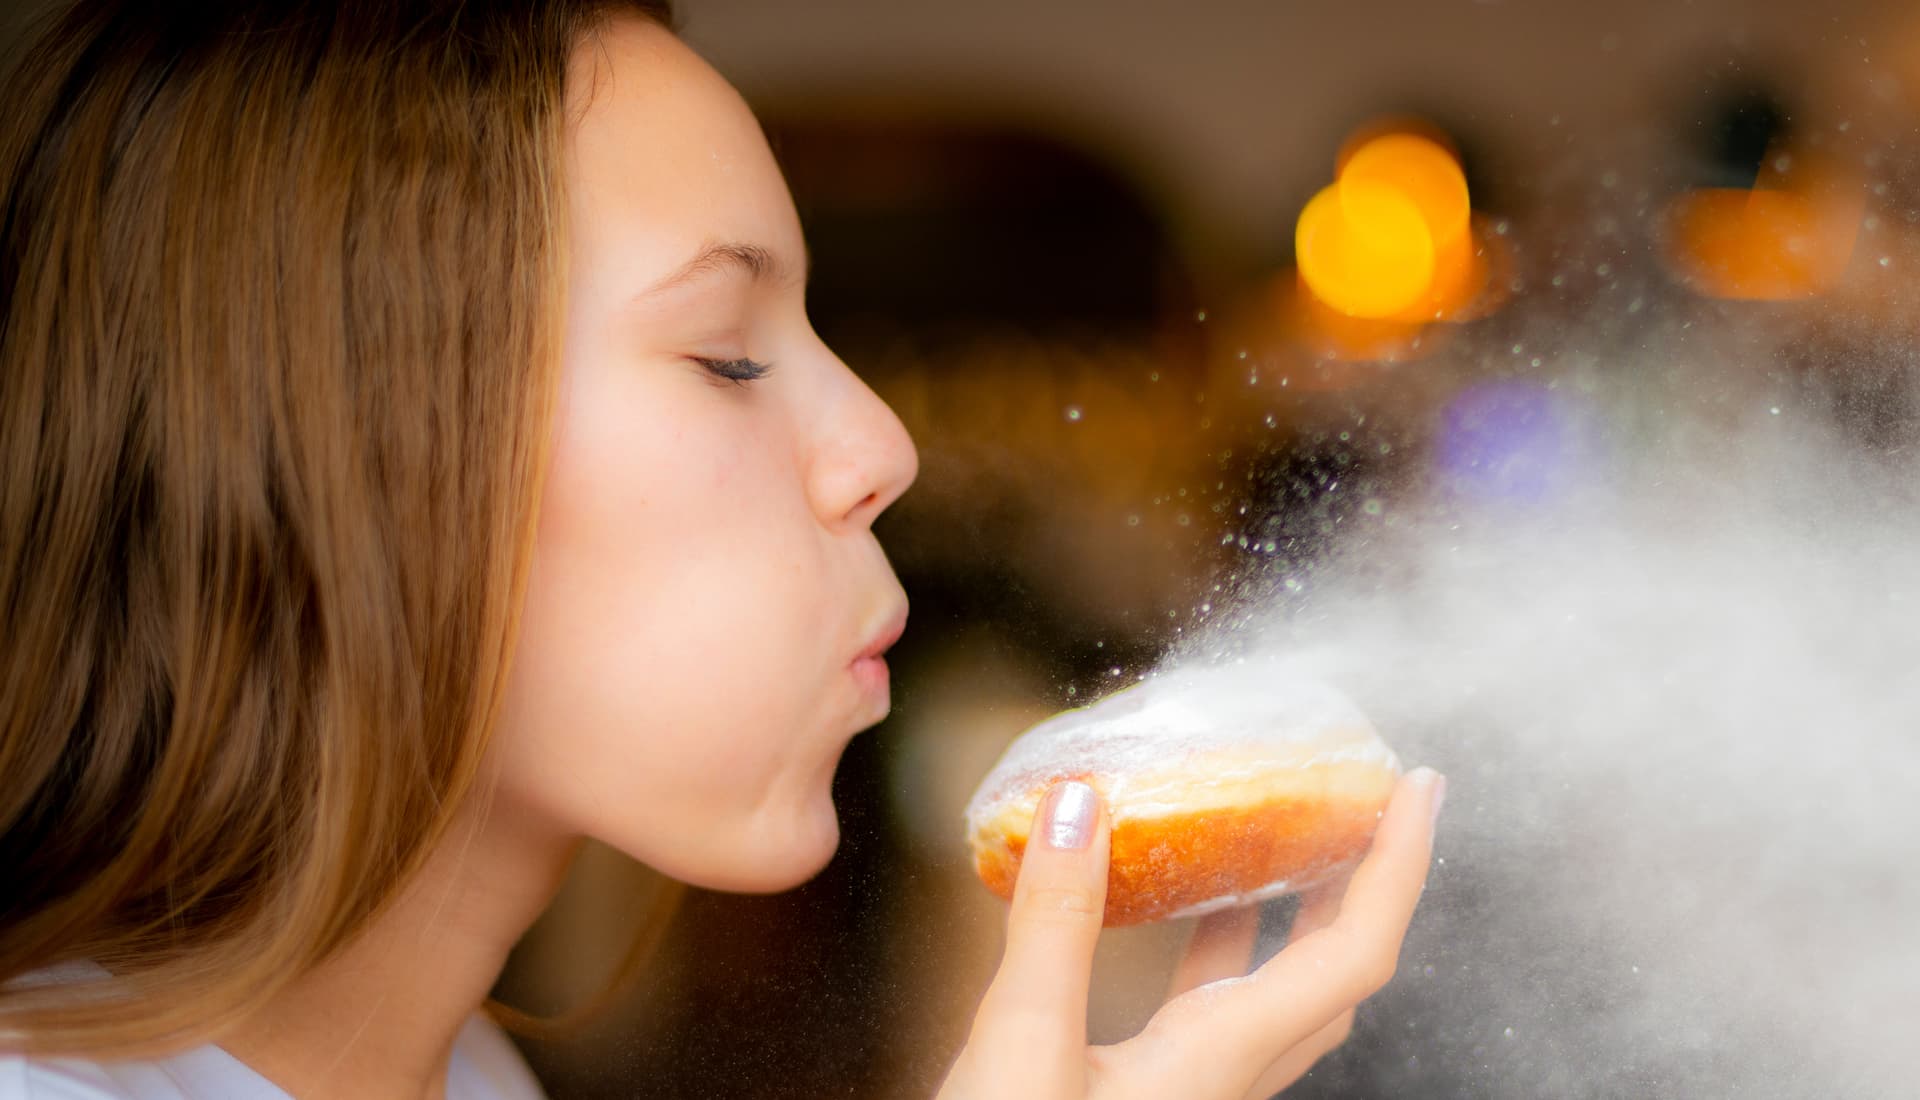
(1057, 236)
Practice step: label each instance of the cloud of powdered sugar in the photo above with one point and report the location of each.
(1666, 645)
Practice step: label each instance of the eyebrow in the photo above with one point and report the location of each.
(757, 261)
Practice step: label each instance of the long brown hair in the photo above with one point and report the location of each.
(278, 321)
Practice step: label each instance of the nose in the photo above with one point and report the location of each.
(863, 458)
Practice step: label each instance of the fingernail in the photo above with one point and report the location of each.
(1439, 796)
(1071, 807)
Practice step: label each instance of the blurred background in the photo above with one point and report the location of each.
(1064, 239)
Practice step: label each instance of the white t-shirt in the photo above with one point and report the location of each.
(485, 1066)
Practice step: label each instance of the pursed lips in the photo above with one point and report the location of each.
(869, 666)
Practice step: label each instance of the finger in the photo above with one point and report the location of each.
(1379, 900)
(1319, 905)
(1295, 1063)
(1222, 947)
(1236, 1030)
(1039, 995)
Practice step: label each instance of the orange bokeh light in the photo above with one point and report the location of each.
(1459, 280)
(1328, 334)
(1391, 239)
(1365, 249)
(1789, 238)
(1389, 126)
(1423, 171)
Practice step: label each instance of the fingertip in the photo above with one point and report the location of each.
(1387, 884)
(1425, 777)
(1069, 816)
(1425, 787)
(1064, 867)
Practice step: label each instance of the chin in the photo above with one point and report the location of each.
(809, 847)
(772, 857)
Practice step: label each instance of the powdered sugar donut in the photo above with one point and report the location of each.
(1224, 785)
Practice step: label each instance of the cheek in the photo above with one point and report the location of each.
(669, 688)
(676, 549)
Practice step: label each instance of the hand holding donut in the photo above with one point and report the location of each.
(1215, 1039)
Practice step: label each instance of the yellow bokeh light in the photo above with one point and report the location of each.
(1364, 248)
(1422, 171)
(1392, 239)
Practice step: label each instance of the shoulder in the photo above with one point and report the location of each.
(203, 1073)
(200, 1073)
(486, 1066)
(31, 1078)
(24, 1078)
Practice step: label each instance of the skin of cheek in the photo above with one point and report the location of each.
(671, 696)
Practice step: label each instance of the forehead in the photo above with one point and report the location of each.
(662, 154)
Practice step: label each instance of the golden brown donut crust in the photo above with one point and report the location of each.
(1279, 833)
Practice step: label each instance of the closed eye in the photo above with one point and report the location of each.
(737, 371)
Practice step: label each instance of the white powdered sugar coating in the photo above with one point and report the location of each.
(1245, 718)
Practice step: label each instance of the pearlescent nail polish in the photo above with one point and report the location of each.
(1070, 815)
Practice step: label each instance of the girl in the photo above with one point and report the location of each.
(417, 459)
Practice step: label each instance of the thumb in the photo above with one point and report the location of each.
(1059, 900)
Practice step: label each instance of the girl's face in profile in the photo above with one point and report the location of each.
(705, 582)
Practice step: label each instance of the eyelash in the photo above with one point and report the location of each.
(737, 371)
